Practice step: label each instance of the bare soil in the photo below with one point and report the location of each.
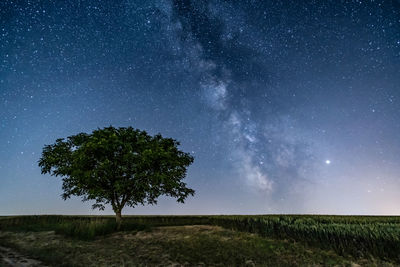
(9, 257)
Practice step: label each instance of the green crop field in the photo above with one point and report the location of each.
(371, 239)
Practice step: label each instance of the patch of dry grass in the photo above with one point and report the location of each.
(197, 245)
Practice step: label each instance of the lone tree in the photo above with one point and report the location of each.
(120, 166)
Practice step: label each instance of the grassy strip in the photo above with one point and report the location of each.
(172, 246)
(358, 236)
(80, 227)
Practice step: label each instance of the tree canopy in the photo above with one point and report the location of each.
(118, 166)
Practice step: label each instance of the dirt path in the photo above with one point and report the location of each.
(9, 257)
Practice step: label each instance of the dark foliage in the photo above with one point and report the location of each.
(118, 166)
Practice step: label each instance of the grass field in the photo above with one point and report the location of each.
(206, 240)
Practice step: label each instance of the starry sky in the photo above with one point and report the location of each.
(287, 106)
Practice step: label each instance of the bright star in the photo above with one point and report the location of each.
(328, 162)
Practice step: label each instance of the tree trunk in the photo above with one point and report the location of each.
(118, 218)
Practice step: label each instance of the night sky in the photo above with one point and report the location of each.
(287, 106)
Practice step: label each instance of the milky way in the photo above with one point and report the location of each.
(287, 106)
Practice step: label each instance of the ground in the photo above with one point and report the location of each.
(197, 245)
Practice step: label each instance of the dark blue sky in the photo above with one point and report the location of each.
(287, 106)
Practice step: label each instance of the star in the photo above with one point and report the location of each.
(266, 101)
